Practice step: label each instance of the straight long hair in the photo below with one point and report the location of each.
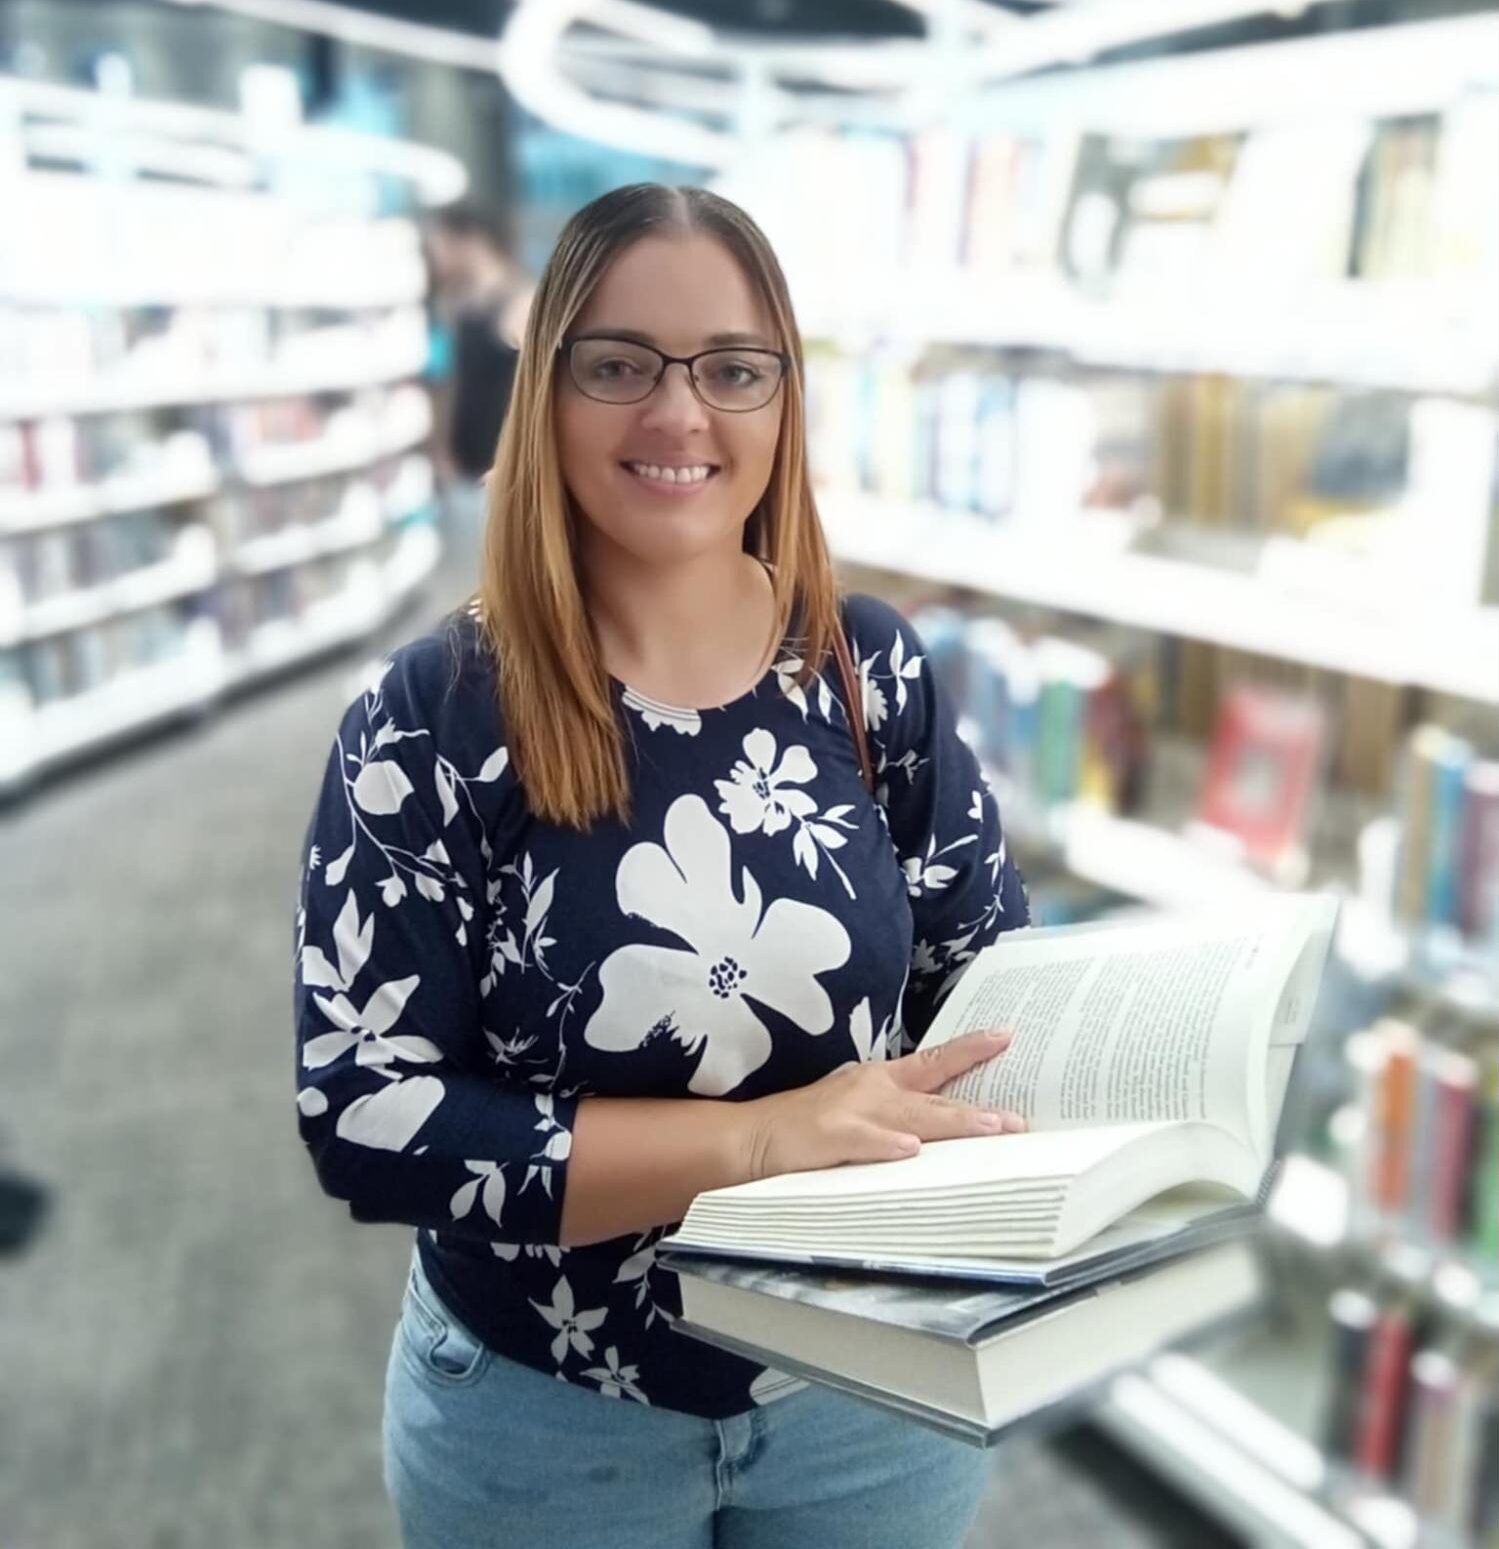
(565, 739)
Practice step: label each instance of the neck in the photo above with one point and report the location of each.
(694, 633)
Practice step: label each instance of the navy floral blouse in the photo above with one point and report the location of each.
(466, 973)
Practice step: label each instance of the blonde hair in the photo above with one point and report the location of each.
(566, 741)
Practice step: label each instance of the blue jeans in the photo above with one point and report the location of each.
(482, 1452)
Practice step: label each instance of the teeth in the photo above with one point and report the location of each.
(694, 475)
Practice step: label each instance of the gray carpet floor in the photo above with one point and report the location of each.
(192, 1350)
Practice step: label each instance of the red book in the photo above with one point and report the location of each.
(1386, 1385)
(1261, 771)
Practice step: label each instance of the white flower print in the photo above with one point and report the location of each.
(511, 1251)
(786, 670)
(902, 670)
(754, 804)
(487, 1187)
(924, 875)
(870, 1045)
(615, 1380)
(734, 954)
(557, 1146)
(573, 1327)
(871, 694)
(636, 1270)
(387, 1119)
(752, 796)
(379, 789)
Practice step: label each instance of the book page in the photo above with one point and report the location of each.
(1151, 1021)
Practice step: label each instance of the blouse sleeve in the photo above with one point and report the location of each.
(944, 821)
(404, 1114)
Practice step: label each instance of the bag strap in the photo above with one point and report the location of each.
(853, 702)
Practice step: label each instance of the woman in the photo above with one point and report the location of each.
(598, 913)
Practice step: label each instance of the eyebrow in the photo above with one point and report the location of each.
(715, 341)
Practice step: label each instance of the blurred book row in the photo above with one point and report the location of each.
(1342, 491)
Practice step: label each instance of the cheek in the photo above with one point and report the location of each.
(578, 441)
(755, 448)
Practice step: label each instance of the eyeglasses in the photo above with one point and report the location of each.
(625, 371)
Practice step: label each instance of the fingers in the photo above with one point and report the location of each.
(928, 1069)
(939, 1118)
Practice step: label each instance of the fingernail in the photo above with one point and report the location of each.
(999, 1035)
(992, 1120)
(1014, 1124)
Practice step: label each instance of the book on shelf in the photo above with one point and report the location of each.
(1261, 775)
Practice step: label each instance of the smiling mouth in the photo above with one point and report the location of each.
(690, 476)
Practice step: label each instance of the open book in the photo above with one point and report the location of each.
(1150, 1059)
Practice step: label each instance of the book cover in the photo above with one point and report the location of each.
(1261, 772)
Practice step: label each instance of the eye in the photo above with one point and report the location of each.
(736, 373)
(612, 368)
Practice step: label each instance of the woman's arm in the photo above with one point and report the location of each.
(638, 1162)
(395, 1102)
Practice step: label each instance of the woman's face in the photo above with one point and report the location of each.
(681, 294)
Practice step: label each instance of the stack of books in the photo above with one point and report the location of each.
(990, 1280)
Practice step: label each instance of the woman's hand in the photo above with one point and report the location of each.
(876, 1112)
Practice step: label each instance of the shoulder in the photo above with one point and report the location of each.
(884, 639)
(871, 619)
(439, 686)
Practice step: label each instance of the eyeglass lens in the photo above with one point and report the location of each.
(616, 371)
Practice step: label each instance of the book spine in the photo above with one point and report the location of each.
(1479, 884)
(1443, 863)
(1385, 1392)
(1354, 1316)
(1483, 1216)
(1415, 848)
(1397, 1095)
(1454, 1080)
(1433, 1413)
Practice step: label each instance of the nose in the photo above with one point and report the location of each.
(674, 405)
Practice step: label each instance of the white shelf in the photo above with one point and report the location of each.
(367, 368)
(1212, 1466)
(23, 511)
(1414, 337)
(1452, 653)
(356, 526)
(125, 704)
(141, 130)
(98, 241)
(371, 597)
(281, 644)
(341, 451)
(192, 569)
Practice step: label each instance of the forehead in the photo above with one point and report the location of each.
(679, 291)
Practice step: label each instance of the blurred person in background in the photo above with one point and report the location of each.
(614, 894)
(479, 300)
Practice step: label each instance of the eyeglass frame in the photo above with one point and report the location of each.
(565, 348)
